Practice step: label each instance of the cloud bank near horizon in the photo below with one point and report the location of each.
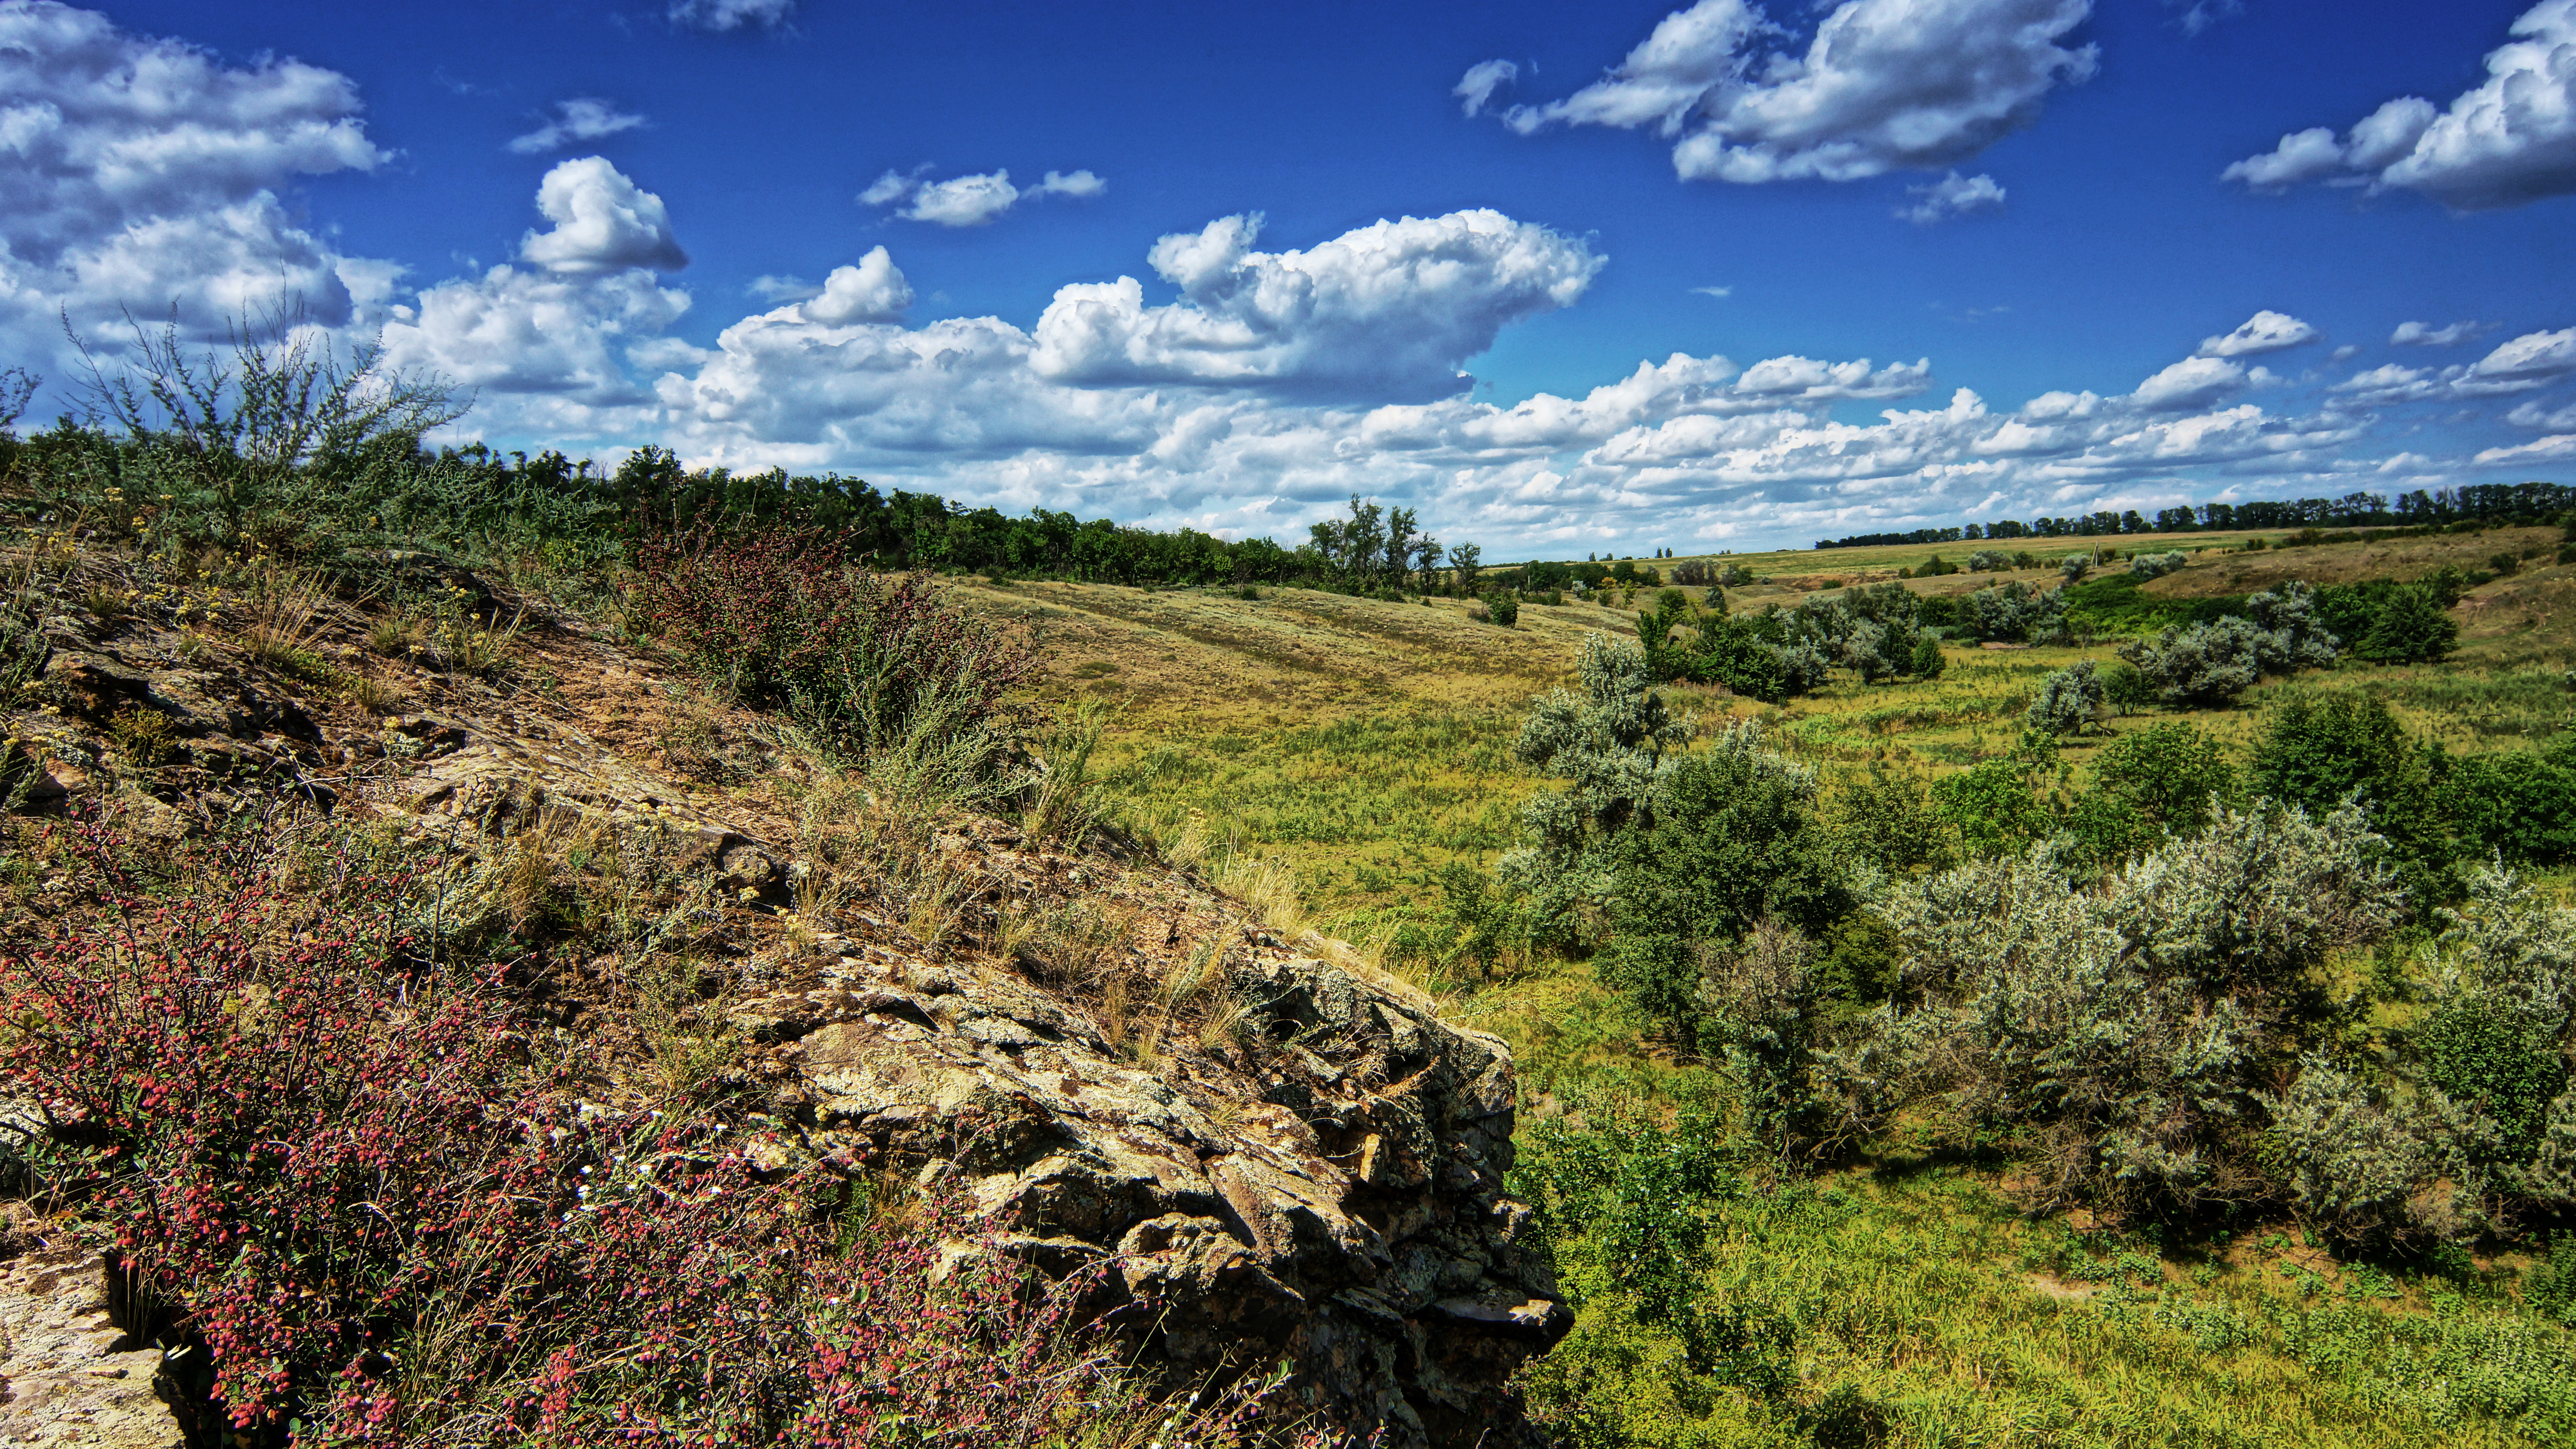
(1228, 386)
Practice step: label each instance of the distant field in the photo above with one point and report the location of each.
(1369, 743)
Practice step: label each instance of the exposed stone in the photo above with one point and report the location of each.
(66, 1376)
(1352, 1217)
(479, 780)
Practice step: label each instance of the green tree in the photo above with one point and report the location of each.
(1466, 561)
(2520, 804)
(1989, 807)
(1732, 839)
(1885, 818)
(2151, 785)
(1613, 740)
(2176, 775)
(2410, 626)
(2321, 750)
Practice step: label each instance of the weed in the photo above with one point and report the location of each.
(143, 736)
(1074, 943)
(783, 619)
(685, 1028)
(107, 603)
(1064, 805)
(285, 607)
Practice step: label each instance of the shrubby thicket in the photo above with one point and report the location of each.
(2194, 985)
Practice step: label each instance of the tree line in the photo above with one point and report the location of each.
(2485, 502)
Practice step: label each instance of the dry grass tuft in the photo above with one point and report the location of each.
(286, 606)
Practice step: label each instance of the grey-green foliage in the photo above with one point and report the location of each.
(2121, 1035)
(2477, 1124)
(2211, 663)
(2157, 565)
(2349, 1152)
(1988, 561)
(2013, 611)
(2069, 701)
(1871, 631)
(2075, 566)
(1613, 740)
(1803, 666)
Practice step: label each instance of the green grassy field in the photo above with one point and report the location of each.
(1902, 1299)
(1369, 743)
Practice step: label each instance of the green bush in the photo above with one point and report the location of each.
(2481, 1053)
(2127, 687)
(2118, 1036)
(1613, 740)
(2411, 627)
(2210, 663)
(2069, 701)
(1884, 818)
(2519, 804)
(1732, 838)
(782, 619)
(2014, 612)
(2176, 775)
(2318, 751)
(1988, 807)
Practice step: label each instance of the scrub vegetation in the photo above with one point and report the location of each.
(2018, 1049)
(2116, 994)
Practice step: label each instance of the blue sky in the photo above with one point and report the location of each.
(1953, 260)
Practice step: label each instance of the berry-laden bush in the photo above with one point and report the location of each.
(788, 621)
(372, 1219)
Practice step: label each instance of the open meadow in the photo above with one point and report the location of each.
(1368, 743)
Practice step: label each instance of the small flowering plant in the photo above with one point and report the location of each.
(359, 1202)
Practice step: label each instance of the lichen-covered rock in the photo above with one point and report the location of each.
(1333, 1196)
(66, 1378)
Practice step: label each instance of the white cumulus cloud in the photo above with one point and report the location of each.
(1952, 195)
(2538, 450)
(872, 291)
(1395, 307)
(144, 173)
(1882, 85)
(603, 222)
(2532, 360)
(2509, 141)
(1480, 82)
(972, 200)
(2425, 334)
(2194, 382)
(2265, 331)
(583, 118)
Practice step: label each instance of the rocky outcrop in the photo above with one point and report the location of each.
(1327, 1189)
(1260, 1150)
(472, 779)
(67, 1376)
